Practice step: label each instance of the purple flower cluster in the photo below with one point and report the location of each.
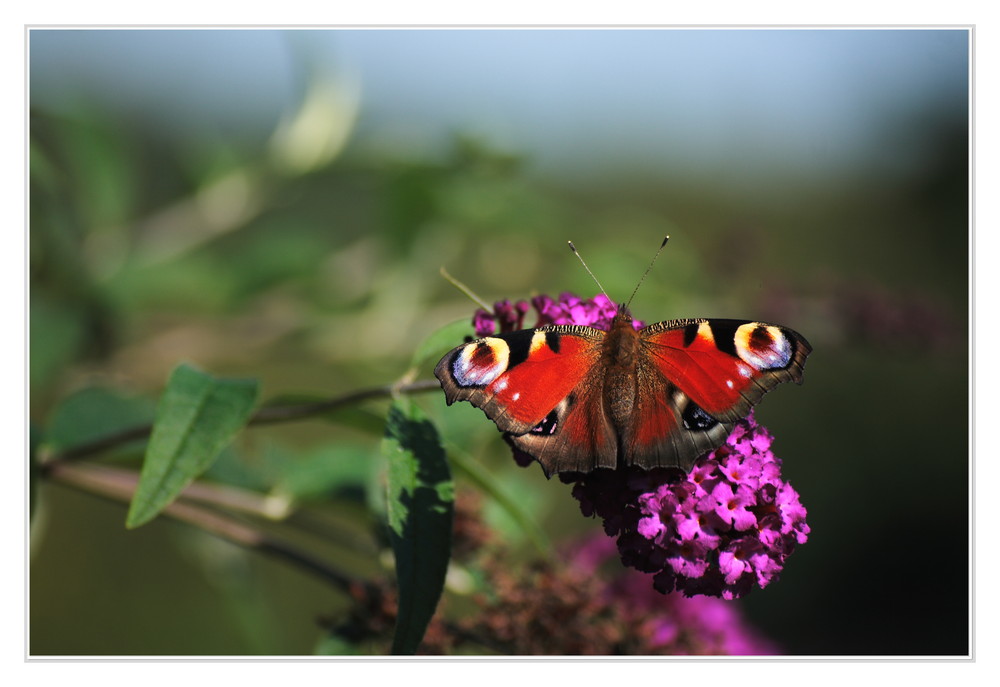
(720, 530)
(594, 312)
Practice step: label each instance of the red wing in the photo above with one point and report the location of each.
(541, 388)
(696, 378)
(693, 380)
(666, 429)
(724, 366)
(519, 378)
(576, 436)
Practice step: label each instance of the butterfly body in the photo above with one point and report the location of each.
(578, 398)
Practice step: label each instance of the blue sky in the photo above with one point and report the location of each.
(739, 102)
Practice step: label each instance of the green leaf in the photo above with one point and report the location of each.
(197, 417)
(58, 334)
(318, 473)
(441, 341)
(93, 413)
(420, 507)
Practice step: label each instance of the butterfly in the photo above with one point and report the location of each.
(577, 398)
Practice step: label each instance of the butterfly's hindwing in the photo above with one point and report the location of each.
(667, 428)
(576, 437)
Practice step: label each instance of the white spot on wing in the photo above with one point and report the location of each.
(475, 366)
(774, 354)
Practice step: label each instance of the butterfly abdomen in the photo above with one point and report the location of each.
(620, 357)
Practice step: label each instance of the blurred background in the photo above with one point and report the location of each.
(278, 204)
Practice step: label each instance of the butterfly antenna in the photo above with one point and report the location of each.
(577, 254)
(629, 302)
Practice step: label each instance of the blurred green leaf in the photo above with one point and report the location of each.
(99, 158)
(410, 200)
(256, 472)
(440, 341)
(197, 283)
(420, 509)
(327, 469)
(93, 413)
(197, 417)
(271, 252)
(490, 485)
(58, 333)
(534, 502)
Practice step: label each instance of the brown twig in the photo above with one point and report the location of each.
(266, 415)
(118, 485)
(299, 412)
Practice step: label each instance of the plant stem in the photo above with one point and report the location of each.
(118, 485)
(266, 415)
(298, 412)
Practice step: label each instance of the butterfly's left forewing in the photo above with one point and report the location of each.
(538, 386)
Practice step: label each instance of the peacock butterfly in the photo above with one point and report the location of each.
(577, 398)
